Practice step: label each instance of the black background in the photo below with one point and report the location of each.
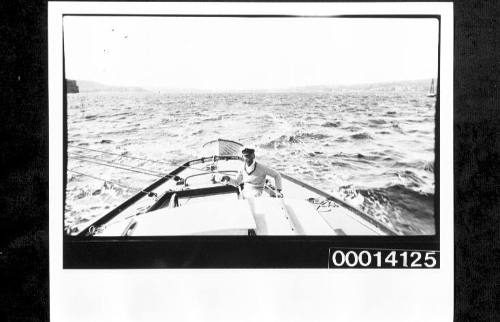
(24, 181)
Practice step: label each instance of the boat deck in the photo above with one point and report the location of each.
(195, 203)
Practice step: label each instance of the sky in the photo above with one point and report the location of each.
(248, 53)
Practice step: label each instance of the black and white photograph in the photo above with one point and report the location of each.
(232, 129)
(200, 148)
(229, 125)
(249, 161)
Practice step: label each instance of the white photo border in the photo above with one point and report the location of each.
(130, 295)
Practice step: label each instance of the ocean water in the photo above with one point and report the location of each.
(372, 143)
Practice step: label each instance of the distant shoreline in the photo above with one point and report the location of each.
(79, 86)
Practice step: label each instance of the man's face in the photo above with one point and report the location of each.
(248, 158)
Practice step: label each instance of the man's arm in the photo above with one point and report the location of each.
(277, 177)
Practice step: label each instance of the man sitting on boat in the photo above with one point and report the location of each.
(253, 175)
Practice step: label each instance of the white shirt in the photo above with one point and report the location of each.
(254, 178)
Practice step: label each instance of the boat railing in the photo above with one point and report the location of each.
(206, 173)
(212, 159)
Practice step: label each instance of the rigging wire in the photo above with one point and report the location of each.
(112, 182)
(113, 164)
(144, 171)
(143, 159)
(117, 167)
(120, 155)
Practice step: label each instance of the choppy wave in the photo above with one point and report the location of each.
(314, 136)
(352, 128)
(216, 118)
(343, 164)
(398, 203)
(280, 142)
(361, 136)
(377, 121)
(286, 140)
(423, 165)
(331, 124)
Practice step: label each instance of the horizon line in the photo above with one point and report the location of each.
(150, 88)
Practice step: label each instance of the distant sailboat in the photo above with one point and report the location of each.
(432, 90)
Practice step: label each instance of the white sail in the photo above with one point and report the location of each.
(432, 91)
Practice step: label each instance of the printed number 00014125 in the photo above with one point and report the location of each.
(378, 258)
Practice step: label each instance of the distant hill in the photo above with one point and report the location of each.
(394, 86)
(421, 84)
(411, 85)
(399, 86)
(88, 86)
